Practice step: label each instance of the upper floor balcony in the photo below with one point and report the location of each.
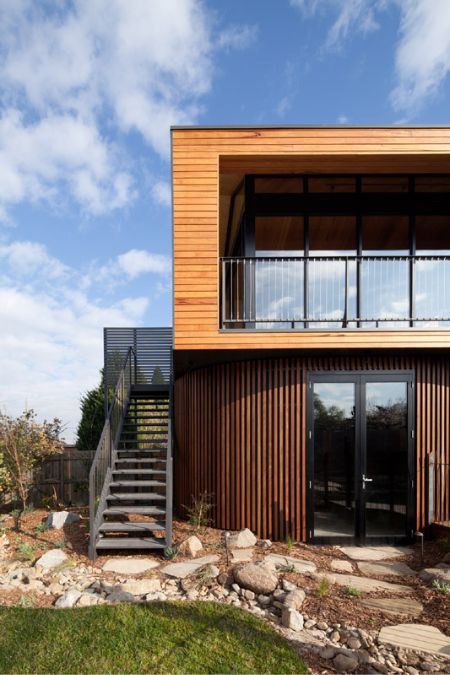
(335, 292)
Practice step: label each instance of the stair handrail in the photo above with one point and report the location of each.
(100, 472)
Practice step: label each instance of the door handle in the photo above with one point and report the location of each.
(365, 480)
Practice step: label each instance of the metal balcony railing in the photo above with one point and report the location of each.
(378, 291)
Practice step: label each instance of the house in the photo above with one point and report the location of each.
(311, 317)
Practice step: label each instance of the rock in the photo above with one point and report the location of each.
(364, 656)
(409, 635)
(241, 554)
(327, 652)
(341, 566)
(279, 594)
(288, 586)
(354, 643)
(158, 596)
(445, 559)
(411, 670)
(297, 564)
(295, 599)
(321, 625)
(191, 546)
(402, 606)
(264, 600)
(68, 599)
(335, 636)
(440, 573)
(130, 565)
(213, 571)
(51, 560)
(140, 586)
(182, 570)
(243, 539)
(117, 597)
(292, 619)
(88, 600)
(365, 584)
(345, 664)
(310, 623)
(380, 667)
(225, 578)
(257, 577)
(59, 519)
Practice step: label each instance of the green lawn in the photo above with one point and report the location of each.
(164, 637)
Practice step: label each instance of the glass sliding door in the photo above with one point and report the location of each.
(360, 457)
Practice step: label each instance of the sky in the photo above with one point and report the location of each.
(88, 92)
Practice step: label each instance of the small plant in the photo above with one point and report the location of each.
(445, 543)
(286, 568)
(199, 513)
(171, 552)
(290, 543)
(25, 552)
(441, 586)
(350, 591)
(42, 527)
(25, 601)
(324, 587)
(60, 543)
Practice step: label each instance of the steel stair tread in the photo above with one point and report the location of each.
(132, 526)
(139, 460)
(130, 543)
(136, 483)
(134, 496)
(143, 472)
(134, 510)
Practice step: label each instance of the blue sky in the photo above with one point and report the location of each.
(89, 89)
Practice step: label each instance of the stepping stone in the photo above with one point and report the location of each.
(51, 560)
(242, 554)
(418, 637)
(375, 552)
(440, 573)
(405, 606)
(182, 570)
(365, 584)
(130, 565)
(397, 569)
(298, 564)
(341, 566)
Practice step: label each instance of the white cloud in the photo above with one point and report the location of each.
(423, 54)
(84, 72)
(162, 193)
(26, 258)
(136, 262)
(237, 37)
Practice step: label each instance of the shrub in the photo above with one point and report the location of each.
(25, 552)
(199, 513)
(24, 443)
(323, 587)
(92, 419)
(351, 591)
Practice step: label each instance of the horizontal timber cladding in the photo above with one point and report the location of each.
(199, 155)
(240, 434)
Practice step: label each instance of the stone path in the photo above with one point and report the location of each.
(298, 564)
(375, 552)
(417, 636)
(129, 565)
(182, 570)
(242, 554)
(397, 569)
(402, 606)
(440, 573)
(365, 584)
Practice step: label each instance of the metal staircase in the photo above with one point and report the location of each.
(131, 475)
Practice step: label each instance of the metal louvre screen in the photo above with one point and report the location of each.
(152, 355)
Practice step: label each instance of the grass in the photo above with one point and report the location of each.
(323, 588)
(350, 591)
(169, 637)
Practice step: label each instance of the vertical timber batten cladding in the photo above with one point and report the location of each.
(241, 437)
(201, 158)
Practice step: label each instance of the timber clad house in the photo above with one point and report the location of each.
(305, 389)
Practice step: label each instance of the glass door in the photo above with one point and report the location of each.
(360, 458)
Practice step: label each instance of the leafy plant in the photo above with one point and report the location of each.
(60, 543)
(351, 591)
(199, 513)
(25, 601)
(26, 551)
(92, 418)
(441, 586)
(42, 527)
(324, 587)
(24, 443)
(171, 552)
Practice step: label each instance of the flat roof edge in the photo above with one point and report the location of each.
(199, 127)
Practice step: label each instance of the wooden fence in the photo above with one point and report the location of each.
(64, 477)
